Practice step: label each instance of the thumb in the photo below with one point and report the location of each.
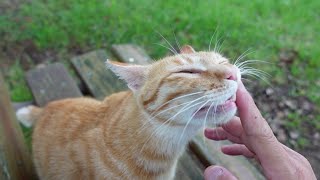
(218, 173)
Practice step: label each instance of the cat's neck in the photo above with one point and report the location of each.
(141, 140)
(156, 135)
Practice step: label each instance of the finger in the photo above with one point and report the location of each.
(257, 133)
(219, 134)
(218, 173)
(236, 150)
(234, 127)
(216, 134)
(250, 115)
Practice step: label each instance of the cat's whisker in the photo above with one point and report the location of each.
(185, 127)
(217, 45)
(212, 38)
(147, 122)
(253, 72)
(246, 79)
(173, 49)
(166, 48)
(205, 119)
(173, 107)
(244, 54)
(256, 72)
(180, 111)
(259, 73)
(184, 110)
(177, 42)
(168, 121)
(216, 125)
(251, 61)
(220, 47)
(214, 113)
(246, 63)
(257, 76)
(252, 69)
(176, 98)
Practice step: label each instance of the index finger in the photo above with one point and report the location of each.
(257, 133)
(249, 114)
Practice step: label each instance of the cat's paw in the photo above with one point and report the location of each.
(24, 116)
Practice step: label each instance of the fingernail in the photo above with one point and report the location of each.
(215, 173)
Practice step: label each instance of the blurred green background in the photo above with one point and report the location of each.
(266, 27)
(284, 32)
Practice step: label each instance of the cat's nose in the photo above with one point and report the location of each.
(232, 73)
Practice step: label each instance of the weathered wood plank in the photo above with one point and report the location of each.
(189, 167)
(15, 159)
(131, 53)
(50, 83)
(209, 152)
(99, 80)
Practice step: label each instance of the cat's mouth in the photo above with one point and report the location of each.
(219, 108)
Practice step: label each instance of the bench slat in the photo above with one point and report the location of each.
(99, 80)
(50, 83)
(131, 54)
(189, 167)
(15, 159)
(210, 152)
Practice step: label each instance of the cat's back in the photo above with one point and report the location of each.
(64, 133)
(61, 115)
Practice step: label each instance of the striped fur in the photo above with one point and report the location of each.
(137, 134)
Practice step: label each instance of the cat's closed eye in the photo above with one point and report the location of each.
(190, 71)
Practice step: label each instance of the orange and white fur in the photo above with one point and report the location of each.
(139, 133)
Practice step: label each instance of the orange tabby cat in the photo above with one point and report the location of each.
(137, 134)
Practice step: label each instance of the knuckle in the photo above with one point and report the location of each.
(300, 173)
(263, 133)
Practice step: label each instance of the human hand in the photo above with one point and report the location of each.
(253, 138)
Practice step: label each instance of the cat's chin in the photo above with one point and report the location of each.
(221, 115)
(220, 110)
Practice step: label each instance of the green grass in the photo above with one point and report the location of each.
(19, 90)
(264, 26)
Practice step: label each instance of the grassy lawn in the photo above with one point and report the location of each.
(19, 91)
(266, 27)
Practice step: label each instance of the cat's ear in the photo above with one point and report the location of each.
(133, 75)
(187, 49)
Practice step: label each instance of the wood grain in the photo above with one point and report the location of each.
(99, 80)
(50, 83)
(209, 152)
(15, 159)
(131, 53)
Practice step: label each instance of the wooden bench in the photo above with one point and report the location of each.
(54, 82)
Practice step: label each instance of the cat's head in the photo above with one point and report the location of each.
(194, 88)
